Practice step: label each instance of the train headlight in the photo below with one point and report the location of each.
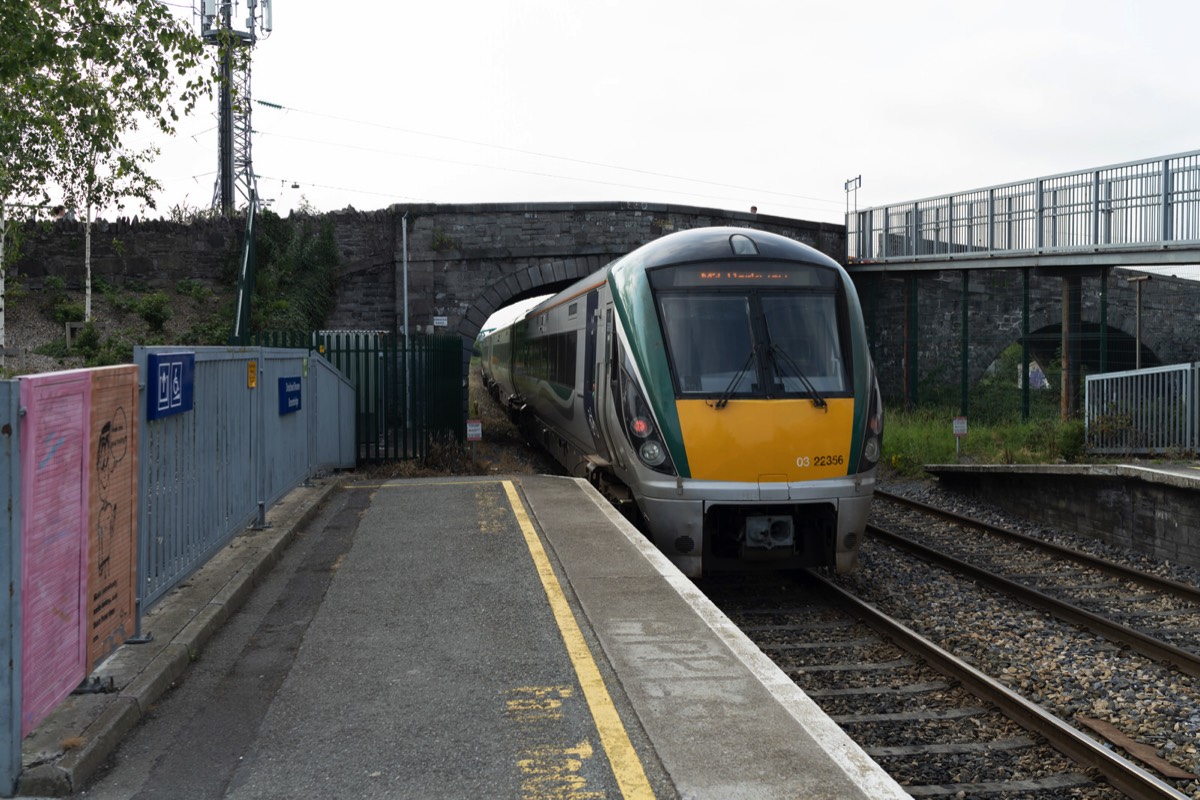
(640, 428)
(652, 453)
(873, 436)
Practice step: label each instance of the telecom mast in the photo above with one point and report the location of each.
(234, 170)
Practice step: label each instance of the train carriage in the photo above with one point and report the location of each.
(718, 379)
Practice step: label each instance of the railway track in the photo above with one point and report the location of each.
(1155, 616)
(961, 690)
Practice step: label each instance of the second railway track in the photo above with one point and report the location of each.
(1106, 697)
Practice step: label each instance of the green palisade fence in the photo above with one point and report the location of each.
(407, 396)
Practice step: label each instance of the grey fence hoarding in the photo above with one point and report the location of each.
(249, 425)
(1150, 411)
(206, 474)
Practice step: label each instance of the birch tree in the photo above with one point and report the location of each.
(77, 78)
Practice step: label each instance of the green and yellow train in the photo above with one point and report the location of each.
(717, 381)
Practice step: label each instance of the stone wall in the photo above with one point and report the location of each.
(467, 261)
(151, 252)
(463, 261)
(1170, 313)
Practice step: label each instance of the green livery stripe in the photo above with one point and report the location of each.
(635, 310)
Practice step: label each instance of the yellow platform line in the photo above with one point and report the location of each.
(626, 766)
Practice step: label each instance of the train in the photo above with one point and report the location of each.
(716, 383)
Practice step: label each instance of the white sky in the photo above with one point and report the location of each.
(774, 103)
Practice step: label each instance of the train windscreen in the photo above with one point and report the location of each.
(754, 340)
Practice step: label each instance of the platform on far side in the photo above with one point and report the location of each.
(1150, 507)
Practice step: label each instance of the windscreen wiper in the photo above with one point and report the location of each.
(723, 400)
(778, 353)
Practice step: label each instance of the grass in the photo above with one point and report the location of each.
(912, 439)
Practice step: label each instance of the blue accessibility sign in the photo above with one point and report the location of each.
(170, 384)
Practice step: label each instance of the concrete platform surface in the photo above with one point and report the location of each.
(483, 638)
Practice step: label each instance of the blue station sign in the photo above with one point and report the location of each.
(170, 384)
(289, 395)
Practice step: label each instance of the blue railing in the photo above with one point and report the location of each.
(1147, 204)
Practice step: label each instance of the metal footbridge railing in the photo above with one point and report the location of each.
(1142, 212)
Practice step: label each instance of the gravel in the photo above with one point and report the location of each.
(1067, 670)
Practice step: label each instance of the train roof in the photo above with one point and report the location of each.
(707, 244)
(692, 245)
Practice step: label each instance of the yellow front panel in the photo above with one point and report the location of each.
(752, 440)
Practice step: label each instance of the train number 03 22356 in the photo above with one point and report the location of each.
(820, 461)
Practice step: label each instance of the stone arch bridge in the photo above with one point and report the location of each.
(464, 262)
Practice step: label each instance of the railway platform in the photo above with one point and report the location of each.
(1151, 507)
(487, 638)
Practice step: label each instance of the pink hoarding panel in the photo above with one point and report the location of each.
(54, 502)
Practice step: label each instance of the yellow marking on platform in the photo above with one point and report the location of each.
(626, 766)
(538, 703)
(553, 772)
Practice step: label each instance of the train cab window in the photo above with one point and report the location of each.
(762, 331)
(711, 342)
(805, 345)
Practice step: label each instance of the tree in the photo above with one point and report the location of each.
(76, 78)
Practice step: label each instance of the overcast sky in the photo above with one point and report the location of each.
(717, 104)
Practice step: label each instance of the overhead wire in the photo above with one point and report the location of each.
(383, 126)
(479, 165)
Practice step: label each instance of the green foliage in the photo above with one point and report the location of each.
(186, 215)
(155, 310)
(214, 331)
(67, 310)
(75, 77)
(190, 287)
(14, 291)
(95, 350)
(443, 242)
(925, 436)
(297, 266)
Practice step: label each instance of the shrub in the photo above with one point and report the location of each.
(155, 310)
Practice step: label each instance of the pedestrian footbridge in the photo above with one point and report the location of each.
(1139, 213)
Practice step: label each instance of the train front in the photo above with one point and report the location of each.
(749, 398)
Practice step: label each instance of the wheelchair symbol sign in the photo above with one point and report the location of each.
(173, 384)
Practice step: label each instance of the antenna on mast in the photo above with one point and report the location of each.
(235, 173)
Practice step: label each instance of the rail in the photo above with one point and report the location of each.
(1150, 411)
(1151, 205)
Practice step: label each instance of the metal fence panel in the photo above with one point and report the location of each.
(1146, 411)
(10, 589)
(284, 431)
(332, 404)
(196, 470)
